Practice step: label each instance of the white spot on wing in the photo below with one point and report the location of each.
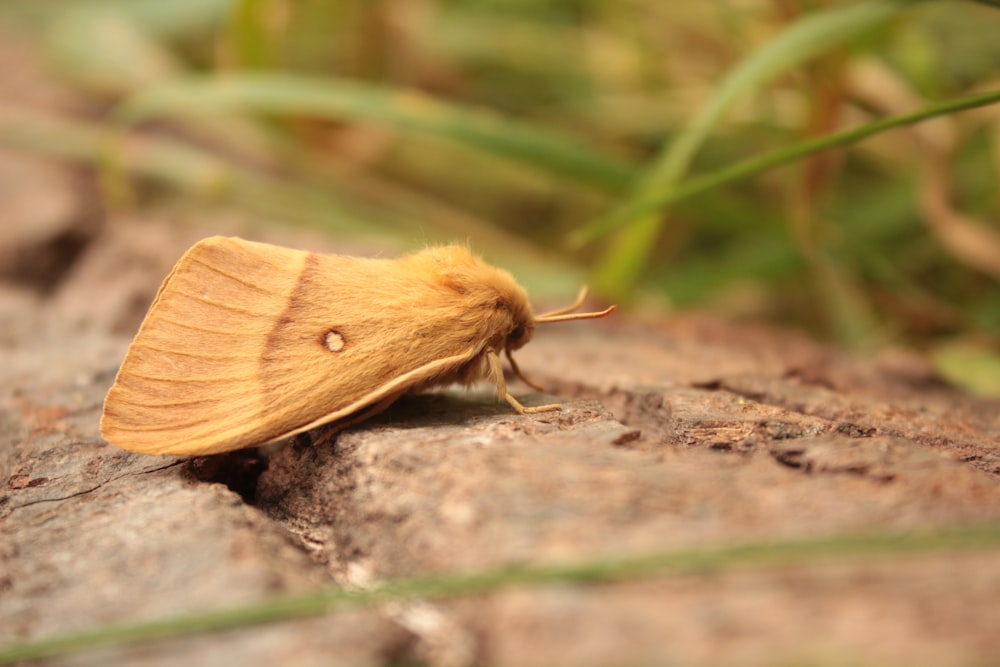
(333, 340)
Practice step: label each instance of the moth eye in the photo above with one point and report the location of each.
(517, 333)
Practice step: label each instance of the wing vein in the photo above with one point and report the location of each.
(194, 327)
(191, 353)
(243, 281)
(173, 379)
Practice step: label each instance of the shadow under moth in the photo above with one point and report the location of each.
(248, 343)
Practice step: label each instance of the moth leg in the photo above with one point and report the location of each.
(497, 370)
(518, 373)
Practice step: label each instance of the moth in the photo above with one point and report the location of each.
(248, 343)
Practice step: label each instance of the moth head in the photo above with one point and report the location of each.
(498, 304)
(481, 299)
(524, 327)
(521, 333)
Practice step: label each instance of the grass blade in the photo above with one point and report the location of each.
(760, 554)
(407, 111)
(650, 203)
(808, 37)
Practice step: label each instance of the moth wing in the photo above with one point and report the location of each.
(234, 350)
(390, 390)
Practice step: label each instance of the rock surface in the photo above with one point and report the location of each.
(675, 434)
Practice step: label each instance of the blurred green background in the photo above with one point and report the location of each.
(754, 157)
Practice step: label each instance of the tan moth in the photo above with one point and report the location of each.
(248, 343)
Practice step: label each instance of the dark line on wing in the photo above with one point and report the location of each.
(195, 327)
(221, 379)
(194, 355)
(170, 404)
(174, 426)
(221, 304)
(231, 276)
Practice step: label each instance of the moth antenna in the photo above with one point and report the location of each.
(568, 309)
(518, 373)
(550, 317)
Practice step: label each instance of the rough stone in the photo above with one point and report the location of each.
(675, 434)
